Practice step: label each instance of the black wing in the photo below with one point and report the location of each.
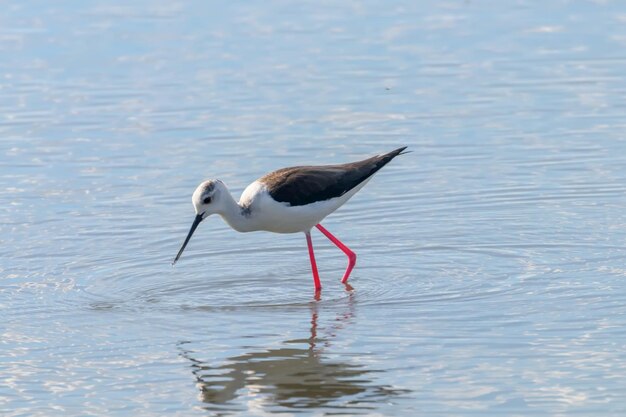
(303, 185)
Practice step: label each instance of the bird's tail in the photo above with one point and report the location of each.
(386, 157)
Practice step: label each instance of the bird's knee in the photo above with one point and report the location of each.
(352, 257)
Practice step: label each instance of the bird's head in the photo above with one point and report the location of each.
(207, 199)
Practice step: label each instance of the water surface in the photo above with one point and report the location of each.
(490, 277)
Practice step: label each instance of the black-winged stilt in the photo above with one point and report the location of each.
(289, 200)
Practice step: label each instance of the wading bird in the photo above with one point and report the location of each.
(289, 200)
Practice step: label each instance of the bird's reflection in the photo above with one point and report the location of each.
(296, 375)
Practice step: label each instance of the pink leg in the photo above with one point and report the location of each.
(351, 255)
(316, 276)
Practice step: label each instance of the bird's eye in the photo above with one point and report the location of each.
(206, 200)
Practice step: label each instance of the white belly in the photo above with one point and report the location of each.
(270, 215)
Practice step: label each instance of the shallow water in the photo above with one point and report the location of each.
(490, 278)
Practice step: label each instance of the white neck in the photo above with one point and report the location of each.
(233, 214)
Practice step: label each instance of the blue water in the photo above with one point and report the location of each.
(490, 274)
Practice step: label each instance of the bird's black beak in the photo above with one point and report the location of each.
(195, 224)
